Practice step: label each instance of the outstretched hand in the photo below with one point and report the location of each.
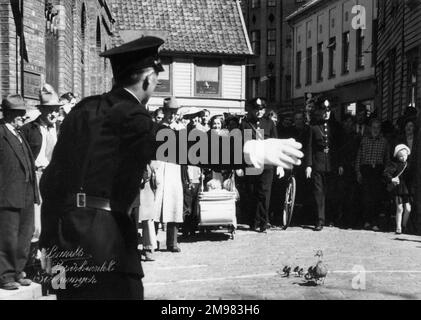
(274, 152)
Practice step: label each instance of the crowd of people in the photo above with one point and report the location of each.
(357, 173)
(86, 179)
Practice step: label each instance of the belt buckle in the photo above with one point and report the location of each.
(81, 200)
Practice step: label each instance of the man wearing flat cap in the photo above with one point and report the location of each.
(18, 193)
(92, 184)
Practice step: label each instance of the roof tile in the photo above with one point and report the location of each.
(193, 26)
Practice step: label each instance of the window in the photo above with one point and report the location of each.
(360, 49)
(309, 67)
(412, 78)
(255, 87)
(345, 52)
(332, 53)
(164, 79)
(272, 3)
(320, 62)
(255, 4)
(375, 44)
(271, 88)
(271, 42)
(298, 70)
(207, 78)
(255, 42)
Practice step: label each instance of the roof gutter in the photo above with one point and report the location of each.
(244, 27)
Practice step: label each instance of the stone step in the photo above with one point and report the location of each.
(33, 292)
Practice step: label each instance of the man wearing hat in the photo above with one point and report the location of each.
(91, 187)
(322, 158)
(41, 135)
(259, 187)
(18, 193)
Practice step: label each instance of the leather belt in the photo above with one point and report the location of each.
(84, 201)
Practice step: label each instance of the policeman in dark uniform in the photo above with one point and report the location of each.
(321, 156)
(259, 186)
(91, 187)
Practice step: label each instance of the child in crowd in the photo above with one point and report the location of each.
(397, 175)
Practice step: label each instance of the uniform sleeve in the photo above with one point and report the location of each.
(150, 141)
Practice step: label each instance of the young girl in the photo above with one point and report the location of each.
(397, 175)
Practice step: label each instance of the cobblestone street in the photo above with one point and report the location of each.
(215, 267)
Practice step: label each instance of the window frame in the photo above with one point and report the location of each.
(257, 42)
(320, 61)
(298, 65)
(309, 66)
(169, 62)
(332, 53)
(271, 3)
(255, 4)
(360, 57)
(346, 46)
(197, 63)
(271, 41)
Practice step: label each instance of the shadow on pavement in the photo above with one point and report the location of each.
(207, 236)
(407, 240)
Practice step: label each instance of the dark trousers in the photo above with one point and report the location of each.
(323, 183)
(258, 197)
(373, 191)
(190, 208)
(349, 205)
(107, 286)
(172, 231)
(16, 230)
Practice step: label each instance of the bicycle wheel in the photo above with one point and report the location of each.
(289, 203)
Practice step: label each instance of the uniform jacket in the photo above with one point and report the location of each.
(265, 124)
(314, 155)
(15, 191)
(118, 137)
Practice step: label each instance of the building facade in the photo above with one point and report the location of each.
(334, 53)
(398, 66)
(269, 71)
(63, 39)
(205, 52)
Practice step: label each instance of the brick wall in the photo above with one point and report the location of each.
(63, 54)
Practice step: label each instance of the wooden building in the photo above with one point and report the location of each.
(398, 65)
(205, 52)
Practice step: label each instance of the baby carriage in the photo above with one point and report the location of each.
(217, 209)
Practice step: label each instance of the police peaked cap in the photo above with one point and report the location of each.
(320, 103)
(135, 55)
(257, 103)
